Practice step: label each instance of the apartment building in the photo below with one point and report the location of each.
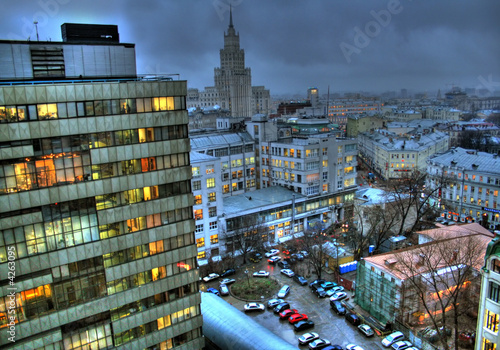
(236, 154)
(468, 183)
(391, 155)
(487, 335)
(208, 204)
(96, 216)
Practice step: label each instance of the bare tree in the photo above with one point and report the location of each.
(246, 236)
(474, 139)
(312, 242)
(411, 198)
(438, 277)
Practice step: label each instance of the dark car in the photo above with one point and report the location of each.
(300, 280)
(318, 290)
(298, 256)
(316, 282)
(337, 307)
(256, 257)
(353, 319)
(283, 264)
(333, 347)
(302, 325)
(228, 272)
(281, 307)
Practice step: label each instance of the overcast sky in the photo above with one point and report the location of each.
(291, 45)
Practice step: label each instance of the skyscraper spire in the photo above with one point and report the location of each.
(230, 16)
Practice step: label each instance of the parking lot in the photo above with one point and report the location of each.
(327, 323)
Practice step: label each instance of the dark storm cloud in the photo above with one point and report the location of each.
(291, 45)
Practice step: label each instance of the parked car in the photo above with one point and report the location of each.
(328, 285)
(319, 281)
(272, 252)
(319, 343)
(280, 307)
(401, 345)
(333, 347)
(337, 289)
(334, 290)
(338, 296)
(300, 280)
(228, 272)
(353, 347)
(210, 277)
(213, 291)
(274, 302)
(303, 325)
(320, 292)
(392, 338)
(287, 272)
(337, 307)
(227, 281)
(254, 307)
(308, 337)
(273, 260)
(305, 253)
(283, 264)
(285, 314)
(353, 319)
(297, 317)
(284, 291)
(224, 289)
(366, 330)
(261, 273)
(256, 257)
(298, 256)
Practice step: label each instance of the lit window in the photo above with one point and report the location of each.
(197, 199)
(211, 183)
(198, 214)
(210, 169)
(214, 239)
(196, 171)
(200, 242)
(211, 197)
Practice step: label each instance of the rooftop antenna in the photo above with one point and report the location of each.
(36, 28)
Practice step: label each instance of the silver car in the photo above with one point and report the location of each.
(284, 291)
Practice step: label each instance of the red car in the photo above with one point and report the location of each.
(287, 313)
(297, 317)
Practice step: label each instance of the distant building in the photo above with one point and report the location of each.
(357, 123)
(232, 88)
(471, 185)
(340, 109)
(391, 155)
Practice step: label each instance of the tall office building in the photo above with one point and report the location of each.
(96, 208)
(233, 80)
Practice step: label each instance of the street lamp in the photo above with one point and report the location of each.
(248, 278)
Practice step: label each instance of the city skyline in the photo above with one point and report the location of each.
(356, 46)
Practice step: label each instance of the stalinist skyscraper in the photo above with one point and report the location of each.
(232, 80)
(233, 90)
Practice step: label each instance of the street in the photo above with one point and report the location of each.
(327, 323)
